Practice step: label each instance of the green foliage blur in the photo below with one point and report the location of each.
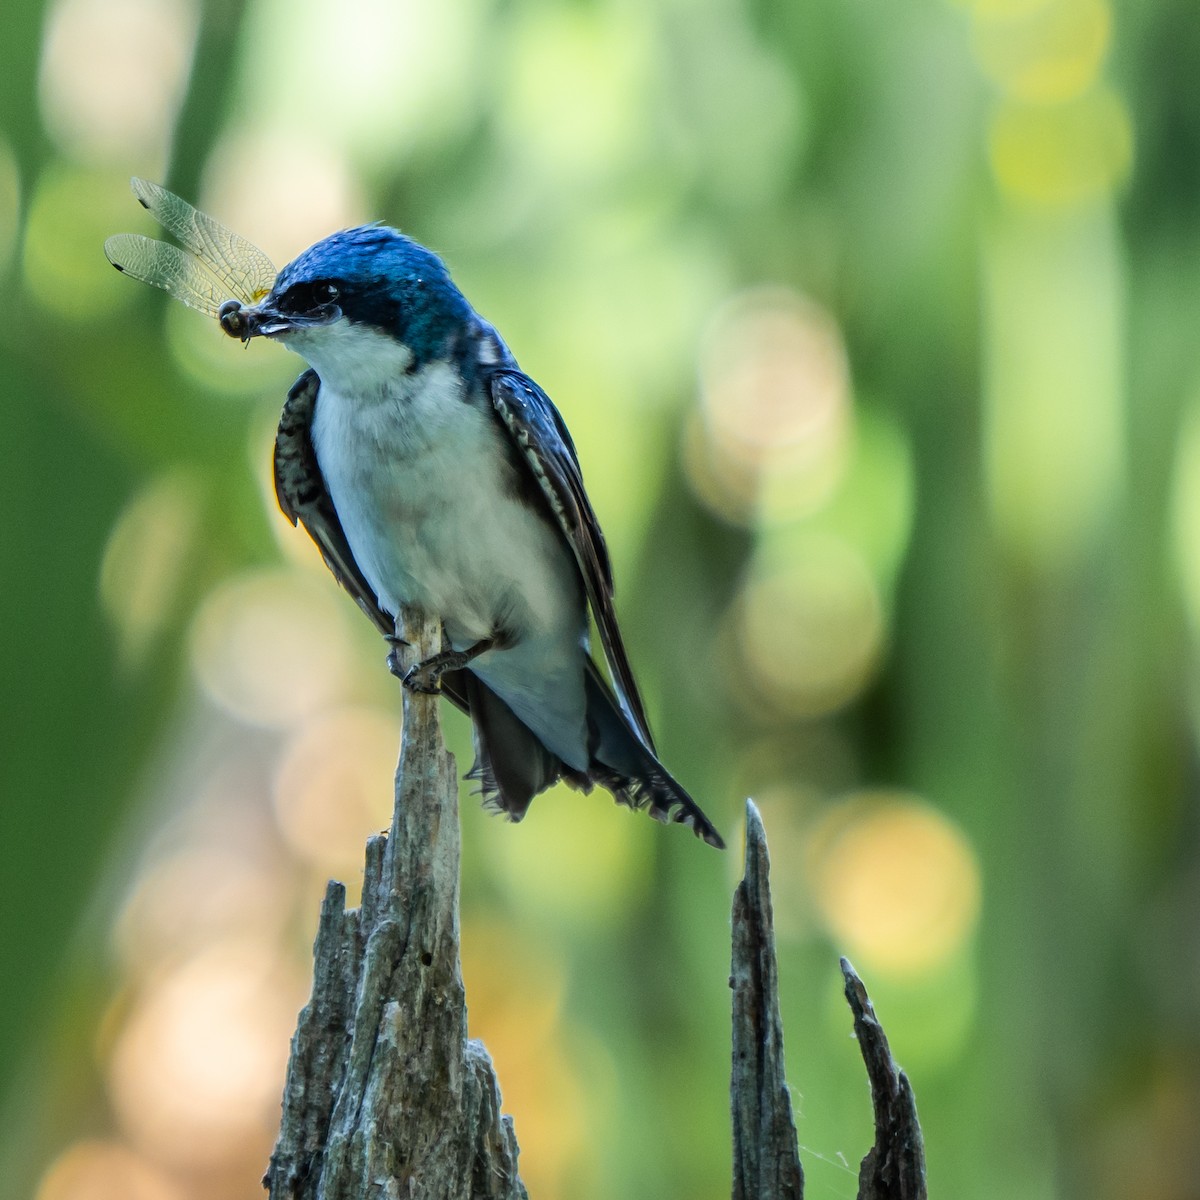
(875, 324)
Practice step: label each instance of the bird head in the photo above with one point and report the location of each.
(355, 299)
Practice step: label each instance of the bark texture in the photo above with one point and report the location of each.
(766, 1160)
(894, 1167)
(387, 1098)
(385, 1095)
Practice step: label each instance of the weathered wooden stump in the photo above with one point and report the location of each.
(387, 1097)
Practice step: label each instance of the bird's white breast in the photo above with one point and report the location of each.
(418, 475)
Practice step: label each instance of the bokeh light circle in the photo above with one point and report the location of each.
(196, 1070)
(92, 1169)
(897, 884)
(808, 632)
(333, 786)
(272, 646)
(774, 403)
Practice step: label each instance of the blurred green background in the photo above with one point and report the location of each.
(875, 324)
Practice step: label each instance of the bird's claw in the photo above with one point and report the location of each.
(426, 676)
(422, 679)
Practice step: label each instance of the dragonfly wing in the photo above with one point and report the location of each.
(167, 267)
(245, 272)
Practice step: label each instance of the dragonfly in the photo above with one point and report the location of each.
(217, 271)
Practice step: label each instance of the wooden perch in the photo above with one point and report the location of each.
(894, 1168)
(385, 1096)
(766, 1160)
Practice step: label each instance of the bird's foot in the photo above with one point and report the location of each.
(426, 676)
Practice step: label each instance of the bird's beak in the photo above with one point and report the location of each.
(244, 321)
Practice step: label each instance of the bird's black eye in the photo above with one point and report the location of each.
(305, 297)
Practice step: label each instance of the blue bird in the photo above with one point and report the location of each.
(432, 472)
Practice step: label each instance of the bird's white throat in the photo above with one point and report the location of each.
(352, 359)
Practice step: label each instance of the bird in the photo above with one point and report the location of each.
(432, 472)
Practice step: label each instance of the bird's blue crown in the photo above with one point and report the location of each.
(387, 281)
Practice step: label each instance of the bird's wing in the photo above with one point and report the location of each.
(300, 489)
(545, 447)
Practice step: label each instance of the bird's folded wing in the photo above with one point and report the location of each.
(300, 489)
(541, 436)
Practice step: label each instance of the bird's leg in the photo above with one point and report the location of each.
(425, 676)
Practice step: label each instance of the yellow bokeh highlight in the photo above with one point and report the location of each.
(283, 189)
(380, 78)
(1004, 8)
(334, 786)
(533, 1053)
(774, 418)
(1048, 54)
(102, 1170)
(807, 632)
(113, 76)
(272, 647)
(197, 1068)
(1061, 154)
(220, 884)
(145, 559)
(897, 884)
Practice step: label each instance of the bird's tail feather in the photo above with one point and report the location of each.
(627, 767)
(512, 765)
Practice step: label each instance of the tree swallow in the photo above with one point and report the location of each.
(431, 471)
